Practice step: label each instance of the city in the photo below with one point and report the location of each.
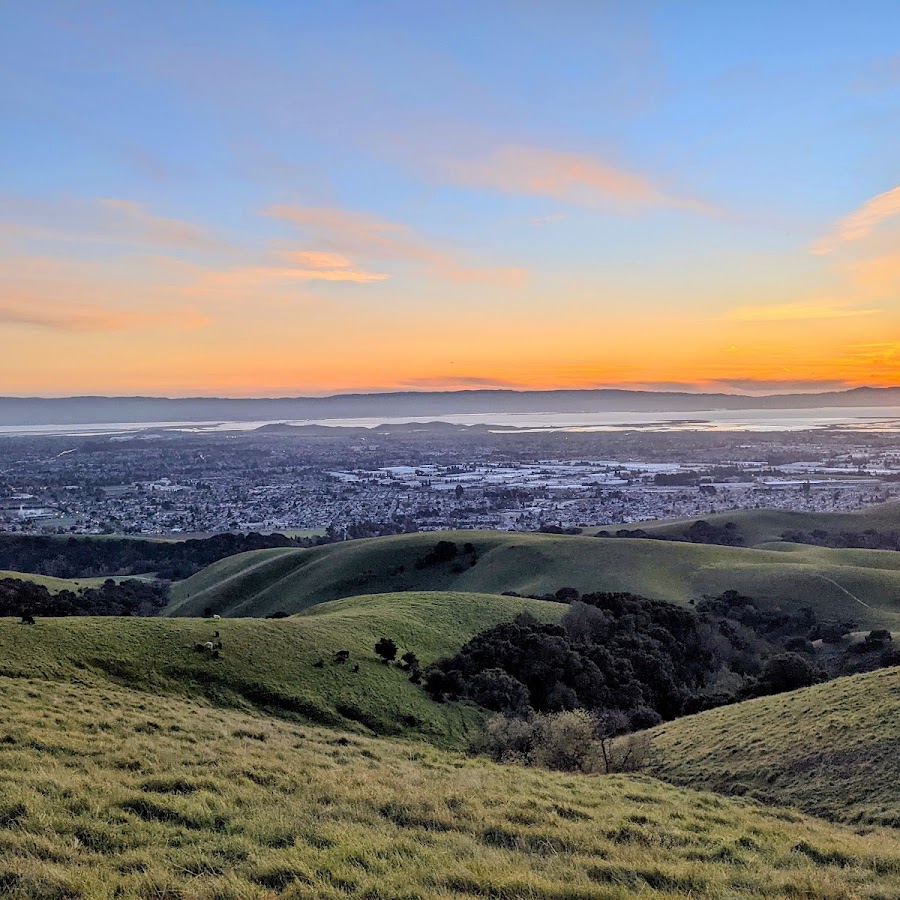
(351, 483)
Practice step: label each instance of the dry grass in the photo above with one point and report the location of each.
(831, 749)
(108, 792)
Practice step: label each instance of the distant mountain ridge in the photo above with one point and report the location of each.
(37, 411)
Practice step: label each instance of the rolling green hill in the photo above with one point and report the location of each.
(831, 749)
(860, 584)
(110, 792)
(270, 664)
(758, 527)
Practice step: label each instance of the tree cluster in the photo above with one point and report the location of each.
(124, 598)
(449, 552)
(643, 661)
(87, 557)
(870, 539)
(699, 532)
(387, 649)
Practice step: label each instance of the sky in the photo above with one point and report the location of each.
(284, 198)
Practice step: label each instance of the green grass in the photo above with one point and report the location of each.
(108, 792)
(831, 750)
(270, 664)
(262, 582)
(759, 527)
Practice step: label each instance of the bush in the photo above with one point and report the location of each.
(566, 742)
(575, 741)
(386, 649)
(506, 739)
(787, 672)
(879, 636)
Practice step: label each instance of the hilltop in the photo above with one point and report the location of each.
(830, 749)
(863, 585)
(762, 527)
(109, 792)
(270, 664)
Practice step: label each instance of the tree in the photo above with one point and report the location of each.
(386, 649)
(494, 689)
(787, 672)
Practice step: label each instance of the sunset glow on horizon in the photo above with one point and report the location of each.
(301, 198)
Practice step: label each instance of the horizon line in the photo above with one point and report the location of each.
(376, 392)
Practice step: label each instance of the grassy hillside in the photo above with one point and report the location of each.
(106, 792)
(270, 664)
(831, 750)
(860, 584)
(758, 527)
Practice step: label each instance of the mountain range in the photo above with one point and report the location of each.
(37, 411)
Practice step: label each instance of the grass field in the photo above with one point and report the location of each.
(832, 750)
(860, 584)
(269, 664)
(759, 527)
(107, 792)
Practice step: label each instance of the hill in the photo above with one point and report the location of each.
(109, 792)
(761, 527)
(859, 584)
(81, 410)
(830, 749)
(270, 664)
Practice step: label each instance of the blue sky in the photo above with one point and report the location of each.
(550, 194)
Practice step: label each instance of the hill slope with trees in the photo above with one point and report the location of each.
(862, 585)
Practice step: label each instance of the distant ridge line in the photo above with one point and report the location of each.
(37, 411)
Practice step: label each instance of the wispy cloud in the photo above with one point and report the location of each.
(365, 236)
(788, 312)
(261, 280)
(577, 178)
(63, 294)
(877, 276)
(552, 218)
(90, 318)
(861, 222)
(881, 75)
(110, 221)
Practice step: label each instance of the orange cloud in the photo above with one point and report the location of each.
(321, 260)
(861, 222)
(370, 237)
(576, 178)
(256, 280)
